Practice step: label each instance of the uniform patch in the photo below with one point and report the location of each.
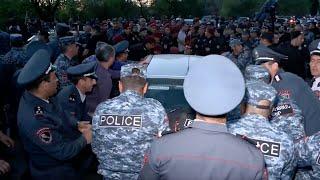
(38, 111)
(282, 110)
(188, 122)
(45, 135)
(278, 78)
(285, 93)
(267, 148)
(72, 98)
(110, 120)
(318, 160)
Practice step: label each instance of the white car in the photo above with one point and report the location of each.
(165, 76)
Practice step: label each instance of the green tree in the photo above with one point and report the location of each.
(294, 8)
(240, 7)
(46, 9)
(14, 10)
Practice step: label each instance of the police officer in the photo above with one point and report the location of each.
(290, 86)
(315, 71)
(72, 98)
(16, 55)
(204, 150)
(254, 126)
(34, 46)
(254, 36)
(252, 72)
(239, 55)
(4, 42)
(256, 72)
(285, 115)
(124, 126)
(122, 51)
(64, 61)
(308, 154)
(62, 30)
(40, 123)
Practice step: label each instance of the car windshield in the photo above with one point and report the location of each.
(169, 92)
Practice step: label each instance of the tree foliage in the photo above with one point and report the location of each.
(63, 10)
(249, 7)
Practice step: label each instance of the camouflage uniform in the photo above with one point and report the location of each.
(256, 72)
(242, 61)
(252, 72)
(287, 116)
(308, 155)
(123, 128)
(277, 146)
(16, 56)
(63, 63)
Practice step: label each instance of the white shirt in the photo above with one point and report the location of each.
(316, 87)
(82, 96)
(181, 40)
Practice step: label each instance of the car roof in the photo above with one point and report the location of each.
(173, 66)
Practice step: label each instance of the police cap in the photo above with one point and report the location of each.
(257, 91)
(234, 42)
(16, 40)
(315, 52)
(257, 72)
(121, 47)
(34, 46)
(254, 30)
(262, 54)
(133, 70)
(67, 40)
(62, 29)
(16, 37)
(214, 85)
(84, 70)
(38, 65)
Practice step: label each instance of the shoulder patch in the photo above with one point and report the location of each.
(188, 122)
(111, 120)
(44, 135)
(278, 78)
(72, 98)
(38, 111)
(282, 109)
(268, 148)
(285, 93)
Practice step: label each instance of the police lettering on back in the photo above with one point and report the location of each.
(268, 148)
(109, 120)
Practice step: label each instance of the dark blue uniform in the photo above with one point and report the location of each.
(73, 108)
(4, 42)
(43, 136)
(40, 123)
(293, 87)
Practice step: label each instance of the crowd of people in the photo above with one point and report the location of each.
(73, 102)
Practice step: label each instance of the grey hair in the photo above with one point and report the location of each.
(104, 51)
